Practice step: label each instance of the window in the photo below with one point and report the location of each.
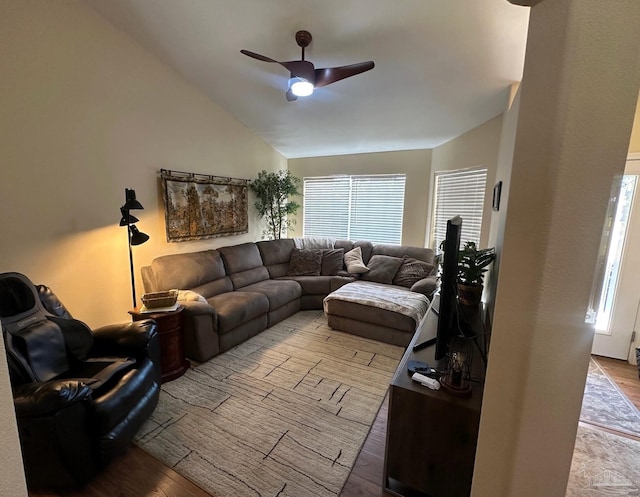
(458, 193)
(363, 207)
(608, 271)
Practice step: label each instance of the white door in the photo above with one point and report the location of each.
(619, 305)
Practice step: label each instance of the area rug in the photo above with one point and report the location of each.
(283, 414)
(603, 465)
(606, 406)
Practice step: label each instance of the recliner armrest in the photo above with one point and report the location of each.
(41, 399)
(125, 339)
(426, 286)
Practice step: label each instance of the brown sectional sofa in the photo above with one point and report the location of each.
(247, 289)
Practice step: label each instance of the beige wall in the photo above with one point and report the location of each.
(476, 148)
(86, 113)
(12, 481)
(414, 163)
(581, 81)
(634, 145)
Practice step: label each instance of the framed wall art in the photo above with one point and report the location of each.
(200, 206)
(497, 192)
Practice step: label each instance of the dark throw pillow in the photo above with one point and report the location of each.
(382, 269)
(411, 271)
(305, 262)
(331, 262)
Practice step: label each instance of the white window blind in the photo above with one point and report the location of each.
(363, 207)
(458, 193)
(325, 202)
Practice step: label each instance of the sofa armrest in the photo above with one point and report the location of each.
(135, 339)
(48, 398)
(426, 286)
(193, 307)
(200, 327)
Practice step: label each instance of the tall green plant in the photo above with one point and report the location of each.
(273, 192)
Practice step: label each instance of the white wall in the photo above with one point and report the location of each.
(414, 163)
(86, 113)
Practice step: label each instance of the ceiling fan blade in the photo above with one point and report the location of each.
(328, 75)
(301, 69)
(258, 56)
(290, 96)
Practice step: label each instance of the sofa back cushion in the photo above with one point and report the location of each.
(243, 264)
(276, 255)
(420, 253)
(202, 272)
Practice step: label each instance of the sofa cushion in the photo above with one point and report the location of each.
(353, 261)
(367, 249)
(275, 255)
(243, 264)
(237, 308)
(279, 292)
(332, 262)
(420, 253)
(215, 287)
(186, 271)
(312, 285)
(411, 271)
(382, 269)
(305, 262)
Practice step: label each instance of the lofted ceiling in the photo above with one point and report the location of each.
(442, 67)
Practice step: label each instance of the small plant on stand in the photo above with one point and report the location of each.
(472, 264)
(273, 191)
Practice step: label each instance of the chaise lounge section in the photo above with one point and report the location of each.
(235, 292)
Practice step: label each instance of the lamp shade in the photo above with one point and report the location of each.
(137, 237)
(131, 202)
(127, 218)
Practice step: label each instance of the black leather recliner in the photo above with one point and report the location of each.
(80, 395)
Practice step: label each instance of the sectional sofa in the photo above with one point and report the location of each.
(233, 293)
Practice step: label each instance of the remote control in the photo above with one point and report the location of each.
(426, 381)
(424, 344)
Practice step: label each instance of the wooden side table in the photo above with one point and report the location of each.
(169, 328)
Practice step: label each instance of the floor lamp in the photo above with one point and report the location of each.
(134, 237)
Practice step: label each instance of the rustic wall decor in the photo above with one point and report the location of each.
(201, 206)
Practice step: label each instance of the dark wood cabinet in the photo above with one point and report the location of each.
(169, 327)
(431, 434)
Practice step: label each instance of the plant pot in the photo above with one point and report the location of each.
(470, 294)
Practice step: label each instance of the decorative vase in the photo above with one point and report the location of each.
(470, 294)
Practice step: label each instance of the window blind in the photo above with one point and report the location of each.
(458, 193)
(362, 207)
(326, 206)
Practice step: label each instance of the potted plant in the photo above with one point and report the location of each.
(472, 264)
(273, 191)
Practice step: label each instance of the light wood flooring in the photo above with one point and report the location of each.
(137, 474)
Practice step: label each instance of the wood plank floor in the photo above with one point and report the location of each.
(137, 474)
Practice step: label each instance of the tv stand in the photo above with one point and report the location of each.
(432, 435)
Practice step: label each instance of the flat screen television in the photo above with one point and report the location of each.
(448, 310)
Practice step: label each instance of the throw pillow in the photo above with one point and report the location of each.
(382, 269)
(305, 262)
(353, 261)
(331, 262)
(411, 271)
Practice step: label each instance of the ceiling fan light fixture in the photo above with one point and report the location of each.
(300, 87)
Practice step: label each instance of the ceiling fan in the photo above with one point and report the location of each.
(304, 77)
